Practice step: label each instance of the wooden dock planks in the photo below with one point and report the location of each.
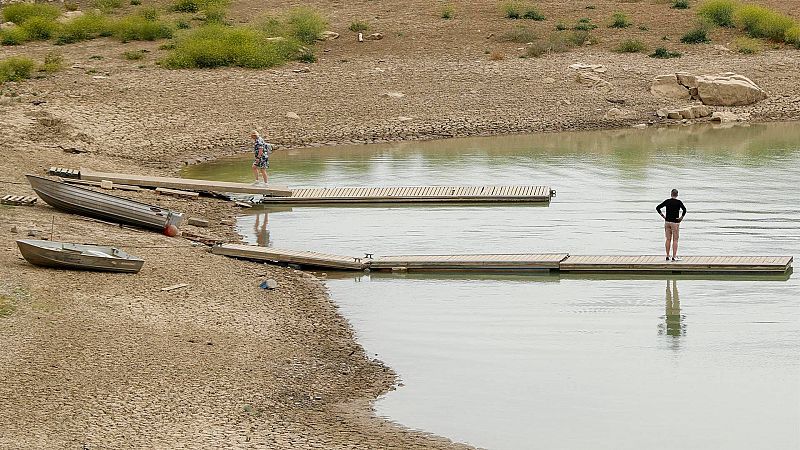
(186, 184)
(288, 256)
(416, 194)
(532, 261)
(689, 264)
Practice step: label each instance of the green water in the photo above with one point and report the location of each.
(569, 362)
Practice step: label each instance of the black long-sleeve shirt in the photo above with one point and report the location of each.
(673, 205)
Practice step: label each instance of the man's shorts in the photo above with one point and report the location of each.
(261, 163)
(672, 230)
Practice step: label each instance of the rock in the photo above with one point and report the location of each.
(13, 228)
(584, 66)
(728, 89)
(593, 80)
(405, 119)
(374, 37)
(7, 25)
(69, 15)
(328, 36)
(198, 222)
(662, 113)
(292, 115)
(302, 70)
(106, 184)
(392, 94)
(548, 80)
(667, 86)
(686, 79)
(727, 116)
(674, 114)
(721, 48)
(33, 232)
(640, 126)
(617, 113)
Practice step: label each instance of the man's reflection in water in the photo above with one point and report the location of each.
(260, 230)
(673, 320)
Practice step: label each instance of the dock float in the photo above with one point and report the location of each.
(416, 194)
(552, 262)
(185, 184)
(688, 264)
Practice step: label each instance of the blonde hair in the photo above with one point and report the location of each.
(255, 133)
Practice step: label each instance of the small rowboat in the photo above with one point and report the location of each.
(87, 202)
(64, 255)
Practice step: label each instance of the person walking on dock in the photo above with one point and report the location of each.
(672, 221)
(261, 152)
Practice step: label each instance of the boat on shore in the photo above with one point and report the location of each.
(64, 255)
(90, 203)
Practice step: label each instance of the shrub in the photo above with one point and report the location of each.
(512, 10)
(718, 12)
(792, 36)
(359, 26)
(13, 36)
(133, 55)
(555, 43)
(107, 5)
(52, 63)
(16, 69)
(696, 36)
(71, 6)
(680, 4)
(496, 55)
(591, 7)
(533, 14)
(561, 27)
(643, 28)
(630, 46)
(218, 46)
(214, 14)
(148, 13)
(39, 28)
(579, 37)
(663, 53)
(85, 27)
(520, 35)
(747, 46)
(761, 22)
(182, 24)
(305, 24)
(619, 20)
(139, 28)
(448, 12)
(187, 6)
(20, 12)
(585, 24)
(136, 2)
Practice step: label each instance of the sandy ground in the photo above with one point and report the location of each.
(111, 361)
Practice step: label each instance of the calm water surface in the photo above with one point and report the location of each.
(567, 362)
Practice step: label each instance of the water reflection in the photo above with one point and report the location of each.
(673, 319)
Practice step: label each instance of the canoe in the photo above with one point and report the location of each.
(65, 255)
(74, 199)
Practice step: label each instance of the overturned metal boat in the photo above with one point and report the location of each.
(86, 202)
(65, 255)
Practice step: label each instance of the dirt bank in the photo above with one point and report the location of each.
(111, 361)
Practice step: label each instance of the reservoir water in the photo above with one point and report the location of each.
(569, 362)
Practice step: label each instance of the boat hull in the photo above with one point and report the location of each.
(103, 206)
(78, 257)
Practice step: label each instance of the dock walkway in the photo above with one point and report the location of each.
(416, 194)
(554, 262)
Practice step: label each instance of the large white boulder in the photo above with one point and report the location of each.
(728, 89)
(667, 86)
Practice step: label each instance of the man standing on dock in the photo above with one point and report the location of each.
(672, 222)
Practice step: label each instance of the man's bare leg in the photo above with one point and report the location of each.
(674, 246)
(668, 233)
(264, 174)
(255, 173)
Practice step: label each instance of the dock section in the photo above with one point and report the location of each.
(269, 254)
(185, 184)
(689, 264)
(531, 261)
(416, 194)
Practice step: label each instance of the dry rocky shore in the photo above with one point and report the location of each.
(95, 360)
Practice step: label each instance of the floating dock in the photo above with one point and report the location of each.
(185, 184)
(416, 194)
(552, 262)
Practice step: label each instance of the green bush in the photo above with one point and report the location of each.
(219, 46)
(663, 53)
(107, 5)
(630, 46)
(792, 36)
(16, 69)
(85, 27)
(578, 37)
(532, 14)
(619, 20)
(556, 43)
(214, 14)
(182, 24)
(53, 62)
(718, 12)
(680, 4)
(585, 24)
(133, 55)
(520, 35)
(511, 10)
(136, 2)
(761, 22)
(187, 6)
(359, 26)
(40, 28)
(13, 36)
(747, 46)
(305, 24)
(561, 27)
(448, 12)
(139, 28)
(20, 12)
(698, 35)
